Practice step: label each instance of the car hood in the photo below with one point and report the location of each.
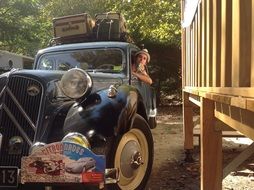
(100, 80)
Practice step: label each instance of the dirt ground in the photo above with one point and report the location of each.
(171, 172)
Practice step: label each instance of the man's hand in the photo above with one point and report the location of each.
(143, 77)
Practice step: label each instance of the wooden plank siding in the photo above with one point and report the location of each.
(199, 45)
(241, 43)
(218, 50)
(209, 36)
(203, 41)
(218, 69)
(216, 42)
(226, 43)
(252, 45)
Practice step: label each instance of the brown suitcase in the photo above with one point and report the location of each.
(73, 28)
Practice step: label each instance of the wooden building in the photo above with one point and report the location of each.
(218, 77)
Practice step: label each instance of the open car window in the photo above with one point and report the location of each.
(109, 60)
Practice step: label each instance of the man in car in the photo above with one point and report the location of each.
(139, 68)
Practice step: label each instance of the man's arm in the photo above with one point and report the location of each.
(144, 77)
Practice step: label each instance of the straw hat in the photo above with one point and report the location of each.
(145, 52)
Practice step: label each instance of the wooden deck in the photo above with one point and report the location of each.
(218, 78)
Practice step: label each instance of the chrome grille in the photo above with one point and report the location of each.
(18, 116)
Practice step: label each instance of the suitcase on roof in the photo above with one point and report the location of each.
(73, 28)
(110, 26)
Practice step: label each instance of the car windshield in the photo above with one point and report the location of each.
(110, 60)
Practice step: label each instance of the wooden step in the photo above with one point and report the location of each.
(196, 132)
(228, 134)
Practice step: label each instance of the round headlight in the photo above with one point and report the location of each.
(75, 83)
(77, 138)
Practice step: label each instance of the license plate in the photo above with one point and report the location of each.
(8, 176)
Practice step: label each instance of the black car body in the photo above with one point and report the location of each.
(35, 108)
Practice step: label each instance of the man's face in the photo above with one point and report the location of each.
(142, 58)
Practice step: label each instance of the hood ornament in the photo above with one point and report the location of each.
(112, 91)
(33, 90)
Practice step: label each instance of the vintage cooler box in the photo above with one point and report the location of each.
(73, 27)
(110, 26)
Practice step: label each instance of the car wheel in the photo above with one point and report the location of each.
(132, 154)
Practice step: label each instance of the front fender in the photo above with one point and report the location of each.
(99, 114)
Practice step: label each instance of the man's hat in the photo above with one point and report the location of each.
(145, 52)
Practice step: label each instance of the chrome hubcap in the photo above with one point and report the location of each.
(136, 160)
(132, 159)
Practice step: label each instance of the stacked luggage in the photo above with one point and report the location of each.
(82, 28)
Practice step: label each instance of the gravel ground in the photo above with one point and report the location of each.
(170, 172)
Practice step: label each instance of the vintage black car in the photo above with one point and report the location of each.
(85, 88)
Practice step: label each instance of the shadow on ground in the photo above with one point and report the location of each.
(171, 172)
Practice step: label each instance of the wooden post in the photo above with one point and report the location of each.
(187, 122)
(211, 148)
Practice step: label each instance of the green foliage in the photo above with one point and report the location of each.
(58, 8)
(165, 68)
(17, 26)
(154, 21)
(26, 27)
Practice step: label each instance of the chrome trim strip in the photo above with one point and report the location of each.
(1, 139)
(2, 91)
(21, 109)
(17, 125)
